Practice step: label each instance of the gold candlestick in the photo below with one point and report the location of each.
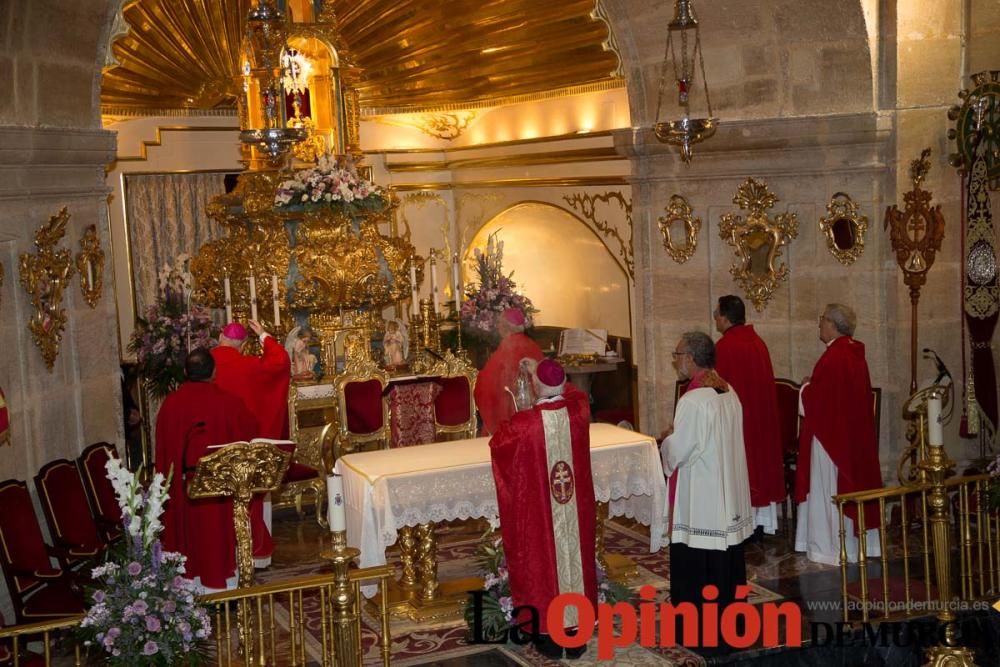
(346, 622)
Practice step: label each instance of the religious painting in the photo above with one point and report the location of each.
(758, 240)
(44, 276)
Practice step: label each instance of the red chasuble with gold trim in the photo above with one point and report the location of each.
(742, 359)
(494, 403)
(196, 415)
(839, 413)
(545, 493)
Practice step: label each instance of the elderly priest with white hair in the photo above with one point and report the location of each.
(710, 506)
(838, 446)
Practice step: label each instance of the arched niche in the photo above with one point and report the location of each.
(561, 265)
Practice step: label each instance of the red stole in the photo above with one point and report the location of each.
(196, 415)
(527, 489)
(742, 359)
(501, 370)
(839, 413)
(262, 383)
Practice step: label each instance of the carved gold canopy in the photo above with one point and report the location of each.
(757, 240)
(415, 55)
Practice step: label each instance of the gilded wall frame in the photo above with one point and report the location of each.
(44, 276)
(844, 227)
(679, 211)
(90, 266)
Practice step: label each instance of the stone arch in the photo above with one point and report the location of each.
(763, 59)
(587, 288)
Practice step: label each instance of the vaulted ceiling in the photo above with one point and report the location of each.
(416, 55)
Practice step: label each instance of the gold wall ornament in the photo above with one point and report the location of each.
(844, 228)
(678, 214)
(44, 275)
(446, 126)
(758, 240)
(915, 234)
(90, 266)
(418, 200)
(586, 205)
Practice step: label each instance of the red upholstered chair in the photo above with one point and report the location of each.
(455, 405)
(788, 422)
(67, 513)
(100, 492)
(363, 413)
(38, 590)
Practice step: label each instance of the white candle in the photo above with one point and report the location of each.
(275, 297)
(454, 284)
(229, 299)
(253, 298)
(335, 512)
(414, 306)
(434, 284)
(935, 432)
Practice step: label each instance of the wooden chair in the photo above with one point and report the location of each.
(67, 513)
(363, 413)
(37, 590)
(788, 424)
(93, 471)
(455, 405)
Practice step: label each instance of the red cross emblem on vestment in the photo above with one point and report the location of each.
(561, 482)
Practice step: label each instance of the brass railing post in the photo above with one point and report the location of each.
(947, 653)
(346, 621)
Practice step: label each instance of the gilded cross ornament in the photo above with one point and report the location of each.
(844, 228)
(915, 234)
(90, 266)
(44, 275)
(678, 216)
(758, 240)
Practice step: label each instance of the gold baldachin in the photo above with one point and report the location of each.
(44, 276)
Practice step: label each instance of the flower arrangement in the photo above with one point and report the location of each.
(145, 612)
(170, 329)
(493, 294)
(332, 182)
(497, 603)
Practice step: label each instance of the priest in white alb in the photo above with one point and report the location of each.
(710, 507)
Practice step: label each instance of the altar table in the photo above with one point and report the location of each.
(385, 491)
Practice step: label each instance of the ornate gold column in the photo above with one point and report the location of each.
(936, 466)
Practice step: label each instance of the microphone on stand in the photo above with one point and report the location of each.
(942, 370)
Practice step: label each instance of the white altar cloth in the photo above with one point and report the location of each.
(389, 489)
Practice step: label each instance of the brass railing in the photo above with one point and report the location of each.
(975, 536)
(279, 615)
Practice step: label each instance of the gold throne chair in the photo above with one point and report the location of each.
(362, 409)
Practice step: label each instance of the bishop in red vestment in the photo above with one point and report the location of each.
(742, 359)
(262, 383)
(545, 494)
(838, 445)
(495, 403)
(193, 417)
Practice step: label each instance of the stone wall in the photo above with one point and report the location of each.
(52, 154)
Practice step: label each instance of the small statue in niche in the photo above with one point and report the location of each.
(297, 345)
(394, 343)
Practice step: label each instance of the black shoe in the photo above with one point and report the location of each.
(548, 648)
(576, 653)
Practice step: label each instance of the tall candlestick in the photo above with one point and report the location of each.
(414, 306)
(229, 299)
(454, 284)
(253, 297)
(434, 284)
(335, 503)
(935, 431)
(276, 299)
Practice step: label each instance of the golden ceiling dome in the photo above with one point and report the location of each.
(414, 55)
